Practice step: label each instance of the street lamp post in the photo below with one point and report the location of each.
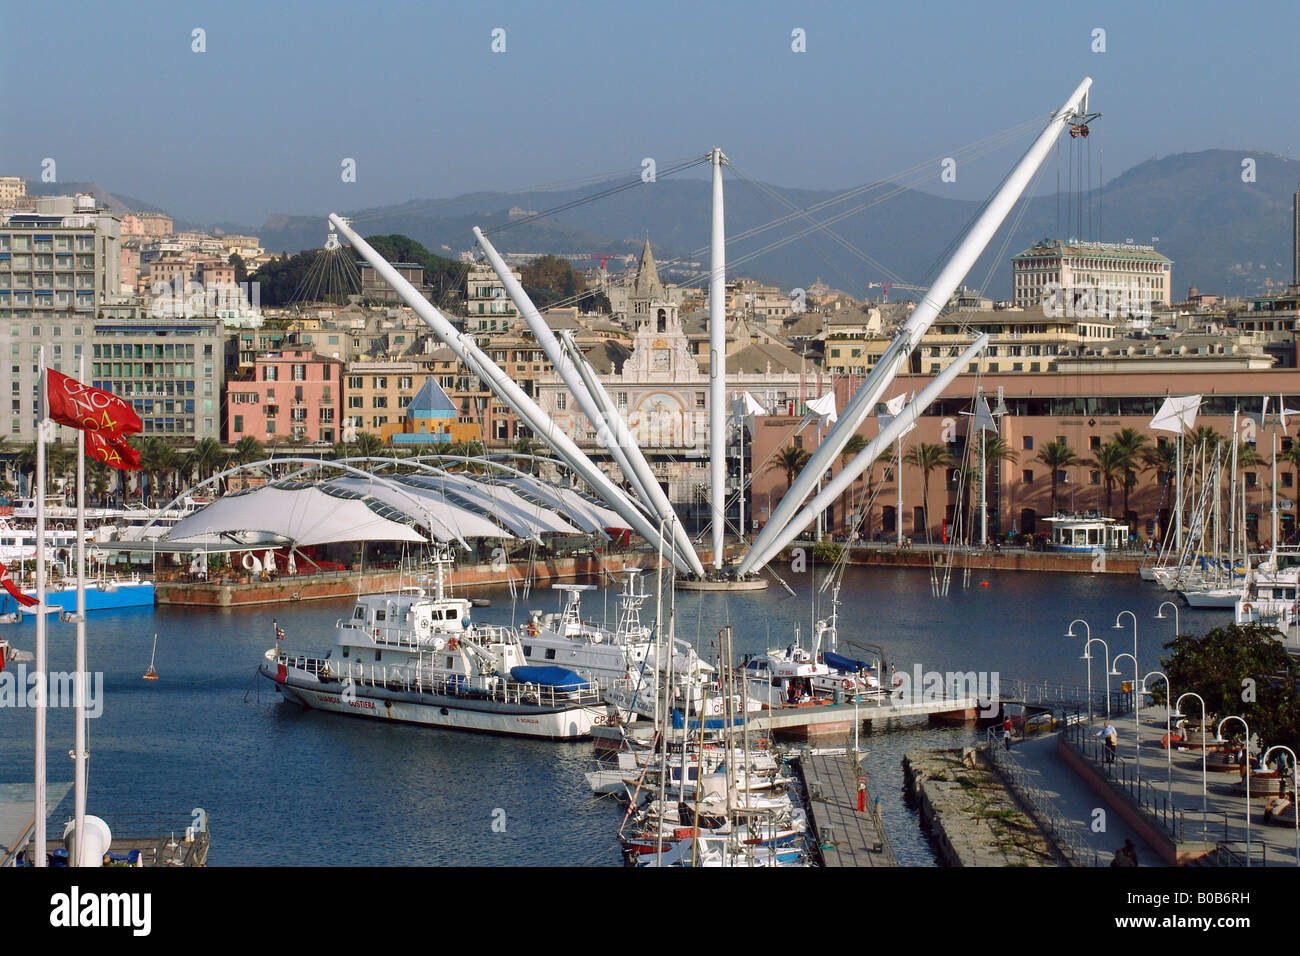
(1087, 656)
(1295, 791)
(1178, 713)
(1218, 733)
(1160, 615)
(1169, 743)
(1137, 714)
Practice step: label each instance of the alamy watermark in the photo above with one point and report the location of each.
(187, 299)
(21, 688)
(925, 687)
(1087, 300)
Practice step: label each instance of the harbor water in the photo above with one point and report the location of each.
(283, 786)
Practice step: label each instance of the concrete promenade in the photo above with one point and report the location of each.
(1171, 792)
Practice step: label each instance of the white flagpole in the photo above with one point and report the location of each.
(42, 663)
(79, 691)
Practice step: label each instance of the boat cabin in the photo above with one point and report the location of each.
(1086, 533)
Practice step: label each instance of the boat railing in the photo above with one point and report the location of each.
(419, 680)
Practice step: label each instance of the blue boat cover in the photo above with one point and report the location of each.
(846, 664)
(710, 723)
(560, 677)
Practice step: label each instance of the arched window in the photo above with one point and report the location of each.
(663, 320)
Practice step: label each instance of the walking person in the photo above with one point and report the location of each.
(1111, 736)
(1007, 729)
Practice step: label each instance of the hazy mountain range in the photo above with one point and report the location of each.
(1224, 235)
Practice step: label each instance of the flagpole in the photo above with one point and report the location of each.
(79, 691)
(42, 663)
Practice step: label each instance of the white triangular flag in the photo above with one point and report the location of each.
(752, 406)
(892, 409)
(824, 407)
(1176, 414)
(984, 418)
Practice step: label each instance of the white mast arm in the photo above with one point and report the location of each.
(919, 322)
(617, 441)
(718, 367)
(864, 459)
(505, 389)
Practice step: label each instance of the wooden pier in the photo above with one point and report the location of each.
(845, 837)
(836, 720)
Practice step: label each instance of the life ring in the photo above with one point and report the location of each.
(898, 682)
(452, 644)
(1246, 609)
(376, 632)
(846, 684)
(532, 628)
(59, 526)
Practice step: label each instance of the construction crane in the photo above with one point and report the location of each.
(887, 286)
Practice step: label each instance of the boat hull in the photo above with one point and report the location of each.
(124, 595)
(438, 710)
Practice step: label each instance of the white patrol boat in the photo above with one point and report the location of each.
(414, 658)
(796, 675)
(622, 661)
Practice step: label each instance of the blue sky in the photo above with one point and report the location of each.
(260, 122)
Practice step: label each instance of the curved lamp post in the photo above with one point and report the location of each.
(1169, 744)
(1120, 627)
(1178, 713)
(1218, 734)
(1295, 791)
(1087, 656)
(1069, 632)
(1137, 709)
(1160, 615)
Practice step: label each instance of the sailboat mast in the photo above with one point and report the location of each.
(79, 689)
(718, 367)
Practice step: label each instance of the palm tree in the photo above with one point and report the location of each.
(852, 447)
(249, 449)
(1291, 456)
(790, 460)
(369, 445)
(1057, 456)
(1112, 461)
(996, 451)
(1134, 445)
(205, 457)
(926, 457)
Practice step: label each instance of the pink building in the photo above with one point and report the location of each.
(293, 395)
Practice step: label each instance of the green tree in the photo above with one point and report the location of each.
(1134, 445)
(249, 449)
(1112, 461)
(852, 448)
(925, 458)
(369, 445)
(791, 460)
(1216, 665)
(206, 457)
(1057, 456)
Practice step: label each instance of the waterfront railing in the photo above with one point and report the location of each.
(1063, 833)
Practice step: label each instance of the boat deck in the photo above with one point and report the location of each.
(844, 836)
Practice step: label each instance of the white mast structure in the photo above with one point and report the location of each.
(611, 432)
(44, 430)
(776, 534)
(850, 473)
(507, 391)
(718, 368)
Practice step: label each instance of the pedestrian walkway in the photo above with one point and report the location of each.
(1076, 801)
(1176, 776)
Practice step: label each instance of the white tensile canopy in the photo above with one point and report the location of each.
(303, 515)
(449, 520)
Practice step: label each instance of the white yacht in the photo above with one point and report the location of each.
(417, 658)
(623, 660)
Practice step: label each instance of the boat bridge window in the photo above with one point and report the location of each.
(550, 653)
(379, 615)
(379, 655)
(528, 650)
(359, 613)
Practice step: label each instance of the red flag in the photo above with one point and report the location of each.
(91, 409)
(112, 450)
(26, 600)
